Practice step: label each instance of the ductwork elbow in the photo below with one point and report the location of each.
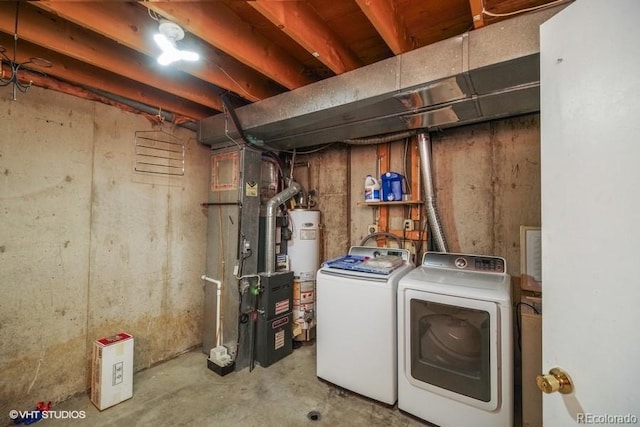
(270, 226)
(273, 203)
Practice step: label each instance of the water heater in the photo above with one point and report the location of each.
(304, 259)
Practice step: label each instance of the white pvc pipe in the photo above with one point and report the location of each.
(209, 279)
(218, 305)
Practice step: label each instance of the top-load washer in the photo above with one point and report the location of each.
(356, 331)
(455, 344)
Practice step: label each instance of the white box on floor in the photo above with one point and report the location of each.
(112, 370)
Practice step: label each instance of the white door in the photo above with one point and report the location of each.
(590, 115)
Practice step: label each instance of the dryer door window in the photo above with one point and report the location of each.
(452, 347)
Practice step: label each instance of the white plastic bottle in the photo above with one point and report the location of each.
(371, 189)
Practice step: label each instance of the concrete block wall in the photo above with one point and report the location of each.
(88, 246)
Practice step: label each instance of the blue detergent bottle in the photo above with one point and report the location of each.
(391, 187)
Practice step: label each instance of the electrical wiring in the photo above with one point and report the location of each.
(528, 9)
(153, 15)
(293, 162)
(407, 141)
(423, 230)
(518, 326)
(229, 111)
(226, 127)
(315, 150)
(255, 98)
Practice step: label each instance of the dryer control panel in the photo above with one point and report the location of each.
(464, 262)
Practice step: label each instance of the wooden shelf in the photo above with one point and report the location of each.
(398, 203)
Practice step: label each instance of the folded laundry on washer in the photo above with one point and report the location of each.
(384, 261)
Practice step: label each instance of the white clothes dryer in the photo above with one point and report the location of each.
(455, 344)
(356, 345)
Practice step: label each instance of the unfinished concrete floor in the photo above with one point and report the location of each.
(183, 391)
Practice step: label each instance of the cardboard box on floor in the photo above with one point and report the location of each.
(112, 370)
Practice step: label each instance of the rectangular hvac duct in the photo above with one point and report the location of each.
(481, 75)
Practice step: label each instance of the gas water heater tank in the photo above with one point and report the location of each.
(304, 246)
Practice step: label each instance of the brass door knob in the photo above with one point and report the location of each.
(555, 380)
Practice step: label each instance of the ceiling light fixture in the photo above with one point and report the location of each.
(169, 33)
(14, 66)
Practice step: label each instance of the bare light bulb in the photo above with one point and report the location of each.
(166, 40)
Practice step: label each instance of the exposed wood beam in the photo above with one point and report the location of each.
(69, 69)
(215, 23)
(303, 25)
(476, 13)
(388, 22)
(131, 26)
(83, 45)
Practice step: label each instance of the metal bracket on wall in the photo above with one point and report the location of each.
(158, 152)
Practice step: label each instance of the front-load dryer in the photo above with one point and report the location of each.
(455, 345)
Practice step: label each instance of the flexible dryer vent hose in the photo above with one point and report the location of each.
(424, 147)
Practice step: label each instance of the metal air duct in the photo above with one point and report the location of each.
(481, 75)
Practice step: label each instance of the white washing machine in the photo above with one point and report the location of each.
(356, 330)
(455, 344)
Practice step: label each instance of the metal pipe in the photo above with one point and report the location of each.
(166, 115)
(205, 204)
(270, 229)
(380, 139)
(424, 147)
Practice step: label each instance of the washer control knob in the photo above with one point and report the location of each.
(460, 262)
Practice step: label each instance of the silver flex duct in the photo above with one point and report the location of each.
(270, 229)
(424, 147)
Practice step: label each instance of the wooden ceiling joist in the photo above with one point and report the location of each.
(133, 27)
(303, 25)
(476, 13)
(216, 24)
(388, 22)
(83, 45)
(250, 50)
(69, 69)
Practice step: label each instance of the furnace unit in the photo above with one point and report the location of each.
(255, 300)
(275, 319)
